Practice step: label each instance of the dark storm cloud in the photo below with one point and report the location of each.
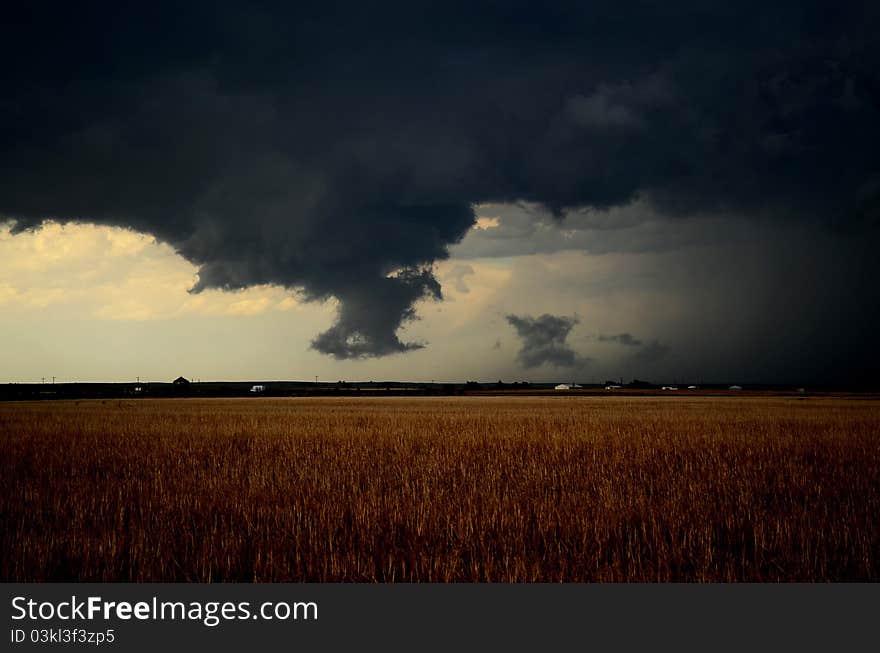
(337, 148)
(621, 338)
(544, 340)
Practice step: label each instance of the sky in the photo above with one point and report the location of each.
(677, 192)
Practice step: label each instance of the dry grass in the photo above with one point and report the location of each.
(468, 489)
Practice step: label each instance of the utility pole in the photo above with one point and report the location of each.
(53, 380)
(42, 379)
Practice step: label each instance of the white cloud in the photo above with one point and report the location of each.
(108, 273)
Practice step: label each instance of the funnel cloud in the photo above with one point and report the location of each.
(338, 149)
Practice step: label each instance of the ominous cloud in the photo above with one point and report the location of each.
(337, 149)
(544, 340)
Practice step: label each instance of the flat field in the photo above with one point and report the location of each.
(439, 489)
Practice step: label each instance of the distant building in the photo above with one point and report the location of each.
(563, 386)
(669, 387)
(258, 389)
(693, 387)
(180, 381)
(613, 387)
(735, 387)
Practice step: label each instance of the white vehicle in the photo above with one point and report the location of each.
(258, 389)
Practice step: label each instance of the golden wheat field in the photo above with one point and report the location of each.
(441, 489)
